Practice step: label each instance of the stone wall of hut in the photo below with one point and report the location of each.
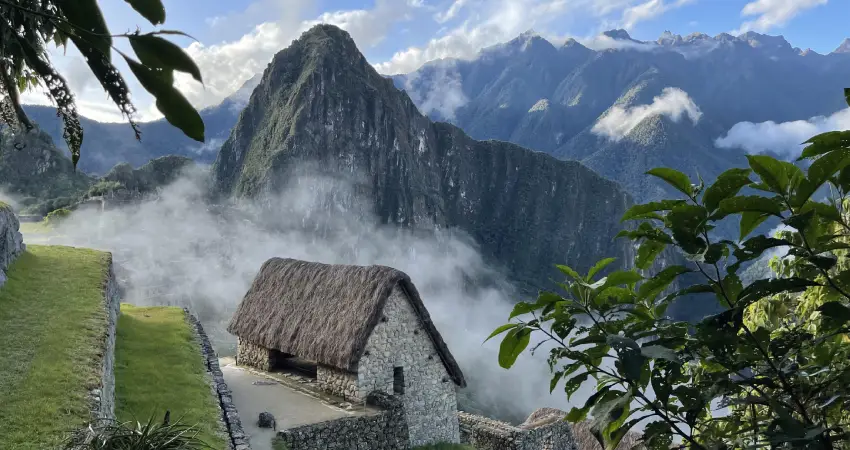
(338, 382)
(386, 430)
(252, 355)
(429, 397)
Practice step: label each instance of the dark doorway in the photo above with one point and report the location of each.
(284, 362)
(398, 380)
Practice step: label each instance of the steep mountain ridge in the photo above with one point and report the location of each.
(320, 103)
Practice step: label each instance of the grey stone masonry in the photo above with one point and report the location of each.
(400, 359)
(386, 430)
(238, 439)
(545, 429)
(252, 355)
(338, 382)
(11, 240)
(103, 396)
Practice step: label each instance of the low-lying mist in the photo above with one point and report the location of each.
(176, 249)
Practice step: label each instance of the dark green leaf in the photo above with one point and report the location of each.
(170, 102)
(753, 248)
(826, 142)
(648, 232)
(763, 288)
(501, 329)
(573, 384)
(633, 364)
(556, 377)
(749, 221)
(687, 223)
(674, 178)
(514, 343)
(660, 386)
(821, 209)
(801, 221)
(88, 23)
(599, 266)
(617, 278)
(822, 262)
(568, 271)
(771, 171)
(523, 308)
(149, 9)
(837, 313)
(828, 165)
(154, 51)
(657, 436)
(727, 185)
(640, 211)
(647, 252)
(653, 286)
(750, 203)
(621, 342)
(578, 414)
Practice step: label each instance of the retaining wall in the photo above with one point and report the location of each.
(11, 240)
(545, 429)
(103, 395)
(386, 430)
(238, 439)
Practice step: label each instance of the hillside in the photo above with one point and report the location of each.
(32, 168)
(321, 104)
(546, 97)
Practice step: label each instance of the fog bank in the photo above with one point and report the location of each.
(177, 250)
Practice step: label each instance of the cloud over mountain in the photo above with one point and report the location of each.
(673, 103)
(784, 138)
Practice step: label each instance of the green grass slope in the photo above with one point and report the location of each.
(158, 367)
(51, 321)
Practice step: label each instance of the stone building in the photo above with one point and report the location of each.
(363, 328)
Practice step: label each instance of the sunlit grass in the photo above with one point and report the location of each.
(159, 367)
(52, 320)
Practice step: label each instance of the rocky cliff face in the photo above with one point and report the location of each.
(320, 103)
(11, 240)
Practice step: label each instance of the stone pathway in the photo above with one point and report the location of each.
(254, 393)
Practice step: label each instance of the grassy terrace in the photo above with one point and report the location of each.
(51, 321)
(158, 367)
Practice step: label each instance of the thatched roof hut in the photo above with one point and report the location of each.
(326, 313)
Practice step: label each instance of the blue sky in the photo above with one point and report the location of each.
(237, 38)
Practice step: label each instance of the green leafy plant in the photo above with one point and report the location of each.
(770, 370)
(152, 435)
(26, 28)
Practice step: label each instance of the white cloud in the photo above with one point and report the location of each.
(649, 10)
(673, 103)
(443, 94)
(450, 13)
(228, 65)
(773, 13)
(783, 138)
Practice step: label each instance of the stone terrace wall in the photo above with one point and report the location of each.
(488, 434)
(11, 240)
(386, 430)
(103, 396)
(230, 421)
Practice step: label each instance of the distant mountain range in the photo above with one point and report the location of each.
(615, 109)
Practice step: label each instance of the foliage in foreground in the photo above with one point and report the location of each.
(152, 435)
(770, 370)
(26, 29)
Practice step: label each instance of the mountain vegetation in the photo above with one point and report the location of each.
(770, 370)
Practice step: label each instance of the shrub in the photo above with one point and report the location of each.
(56, 217)
(153, 435)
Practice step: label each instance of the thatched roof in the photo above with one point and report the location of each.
(326, 313)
